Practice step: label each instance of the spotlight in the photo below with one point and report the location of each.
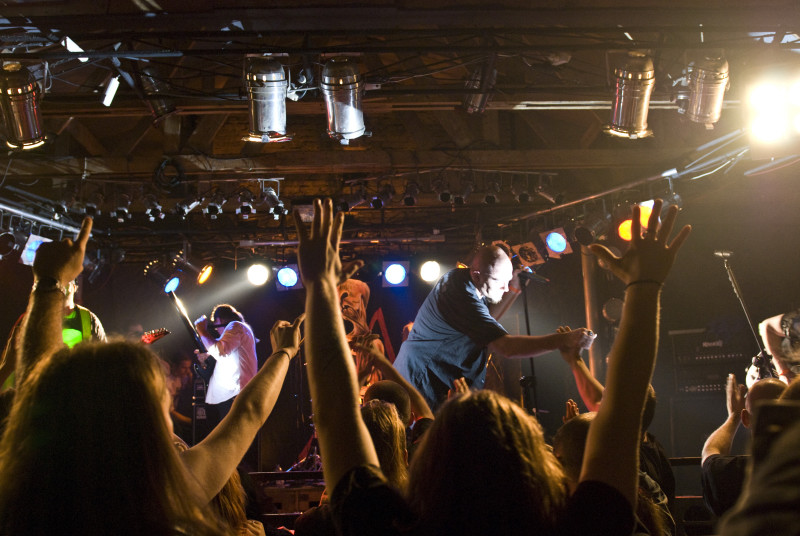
(483, 78)
(266, 85)
(19, 100)
(92, 207)
(258, 274)
(203, 273)
(152, 208)
(625, 226)
(154, 89)
(214, 206)
(460, 198)
(634, 84)
(557, 242)
(443, 191)
(183, 208)
(430, 271)
(707, 80)
(122, 211)
(395, 274)
(11, 242)
(594, 225)
(384, 196)
(346, 203)
(493, 188)
(519, 187)
(158, 273)
(773, 113)
(343, 90)
(245, 208)
(410, 194)
(547, 191)
(276, 207)
(288, 278)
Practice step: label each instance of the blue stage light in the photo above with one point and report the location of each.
(287, 276)
(557, 242)
(172, 284)
(395, 274)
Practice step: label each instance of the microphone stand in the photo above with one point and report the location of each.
(760, 361)
(528, 383)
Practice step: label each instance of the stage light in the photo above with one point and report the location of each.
(430, 271)
(410, 194)
(122, 210)
(276, 207)
(258, 274)
(155, 89)
(214, 206)
(460, 198)
(395, 274)
(384, 196)
(267, 87)
(707, 81)
(493, 188)
(442, 190)
(111, 91)
(159, 274)
(152, 208)
(183, 264)
(634, 84)
(557, 242)
(246, 208)
(625, 227)
(92, 206)
(519, 187)
(593, 226)
(11, 242)
(19, 100)
(288, 278)
(343, 90)
(186, 206)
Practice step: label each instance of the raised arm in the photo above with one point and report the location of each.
(212, 461)
(721, 439)
(343, 438)
(612, 446)
(520, 346)
(55, 265)
(380, 362)
(589, 388)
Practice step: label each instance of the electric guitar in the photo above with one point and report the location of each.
(149, 337)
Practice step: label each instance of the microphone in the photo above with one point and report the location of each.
(723, 254)
(532, 276)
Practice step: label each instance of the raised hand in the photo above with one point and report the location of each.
(318, 251)
(571, 411)
(460, 387)
(63, 260)
(286, 336)
(650, 255)
(574, 341)
(734, 396)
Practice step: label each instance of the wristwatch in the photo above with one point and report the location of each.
(50, 284)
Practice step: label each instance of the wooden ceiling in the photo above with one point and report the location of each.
(542, 125)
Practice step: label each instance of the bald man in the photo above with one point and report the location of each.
(457, 324)
(723, 473)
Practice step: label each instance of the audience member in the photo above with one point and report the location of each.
(722, 473)
(179, 385)
(483, 467)
(781, 337)
(72, 465)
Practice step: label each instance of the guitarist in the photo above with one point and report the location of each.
(235, 354)
(781, 336)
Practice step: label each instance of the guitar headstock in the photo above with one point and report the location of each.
(149, 337)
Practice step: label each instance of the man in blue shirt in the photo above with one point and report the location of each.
(457, 324)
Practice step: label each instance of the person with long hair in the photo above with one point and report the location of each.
(88, 445)
(604, 499)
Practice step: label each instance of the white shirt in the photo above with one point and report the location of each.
(235, 352)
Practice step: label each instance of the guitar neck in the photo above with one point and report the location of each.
(188, 324)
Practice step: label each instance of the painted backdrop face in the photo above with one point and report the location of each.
(354, 296)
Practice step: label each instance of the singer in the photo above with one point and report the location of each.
(457, 324)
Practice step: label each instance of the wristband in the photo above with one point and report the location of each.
(515, 290)
(282, 351)
(50, 284)
(643, 282)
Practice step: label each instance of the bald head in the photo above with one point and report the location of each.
(491, 271)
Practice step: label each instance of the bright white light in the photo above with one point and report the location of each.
(72, 46)
(287, 277)
(430, 271)
(258, 274)
(111, 91)
(794, 93)
(769, 128)
(395, 274)
(767, 97)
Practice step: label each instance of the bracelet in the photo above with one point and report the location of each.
(282, 351)
(50, 284)
(644, 281)
(515, 290)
